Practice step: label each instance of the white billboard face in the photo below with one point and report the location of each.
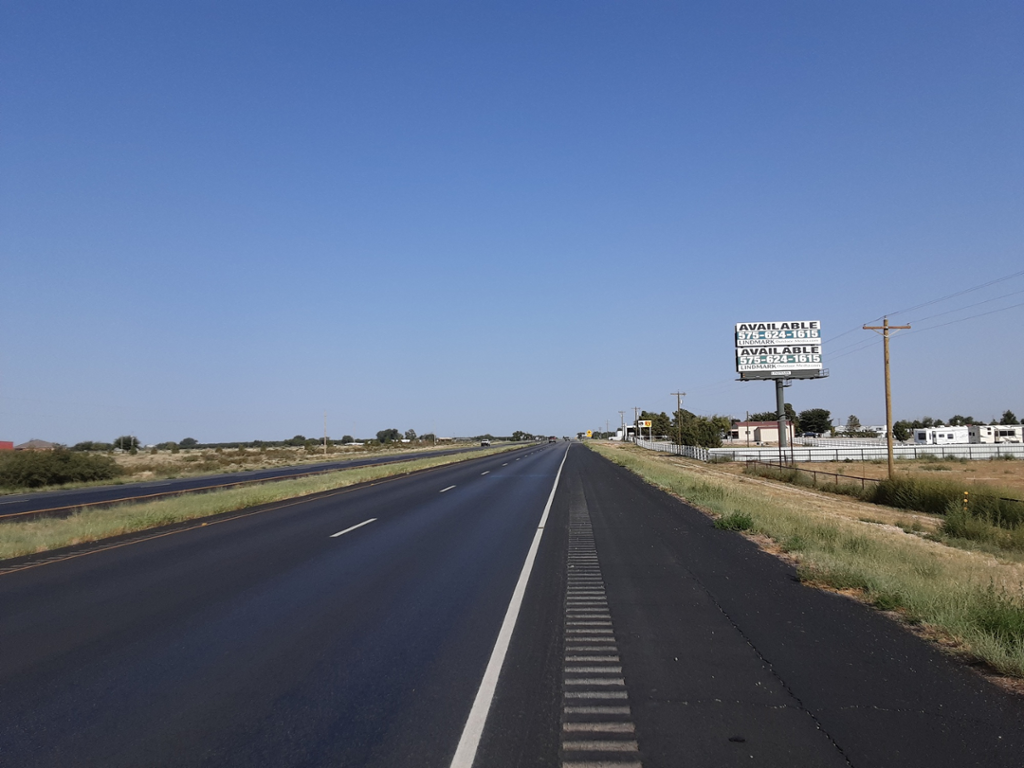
(778, 349)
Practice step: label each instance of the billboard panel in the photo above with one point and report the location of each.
(779, 349)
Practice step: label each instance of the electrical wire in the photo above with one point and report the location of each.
(963, 319)
(958, 293)
(969, 306)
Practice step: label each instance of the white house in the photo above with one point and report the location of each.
(760, 431)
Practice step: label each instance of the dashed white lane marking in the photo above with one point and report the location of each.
(597, 729)
(485, 473)
(446, 489)
(358, 525)
(465, 753)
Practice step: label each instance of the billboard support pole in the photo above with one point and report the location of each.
(885, 328)
(780, 406)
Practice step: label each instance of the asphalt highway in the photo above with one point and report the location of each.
(25, 505)
(361, 627)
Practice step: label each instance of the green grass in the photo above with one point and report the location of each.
(974, 599)
(42, 535)
(735, 521)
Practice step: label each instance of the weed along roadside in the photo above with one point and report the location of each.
(43, 535)
(972, 602)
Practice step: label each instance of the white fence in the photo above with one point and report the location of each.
(689, 451)
(842, 442)
(870, 453)
(971, 451)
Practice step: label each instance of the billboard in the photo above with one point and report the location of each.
(784, 349)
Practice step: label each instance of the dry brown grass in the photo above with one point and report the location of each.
(998, 473)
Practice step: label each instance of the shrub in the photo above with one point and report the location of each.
(32, 469)
(736, 521)
(939, 496)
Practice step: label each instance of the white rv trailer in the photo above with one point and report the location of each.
(941, 436)
(996, 433)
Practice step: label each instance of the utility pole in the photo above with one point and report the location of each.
(325, 434)
(885, 328)
(622, 420)
(679, 411)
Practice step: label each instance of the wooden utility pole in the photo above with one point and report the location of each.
(679, 419)
(885, 328)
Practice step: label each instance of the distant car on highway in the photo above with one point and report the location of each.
(552, 439)
(485, 443)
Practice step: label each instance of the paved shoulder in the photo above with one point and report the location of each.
(728, 660)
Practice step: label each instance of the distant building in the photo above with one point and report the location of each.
(6, 445)
(760, 431)
(35, 445)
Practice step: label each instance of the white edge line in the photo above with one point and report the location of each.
(359, 525)
(474, 728)
(485, 473)
(446, 489)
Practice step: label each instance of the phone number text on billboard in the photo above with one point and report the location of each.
(756, 338)
(769, 362)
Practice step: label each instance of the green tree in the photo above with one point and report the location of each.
(792, 418)
(698, 430)
(410, 434)
(764, 416)
(1008, 418)
(723, 424)
(127, 443)
(661, 424)
(34, 469)
(961, 421)
(188, 442)
(852, 425)
(388, 435)
(347, 439)
(817, 420)
(902, 430)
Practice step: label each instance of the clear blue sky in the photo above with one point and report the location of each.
(220, 220)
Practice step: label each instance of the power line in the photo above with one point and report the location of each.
(969, 306)
(962, 319)
(959, 293)
(933, 301)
